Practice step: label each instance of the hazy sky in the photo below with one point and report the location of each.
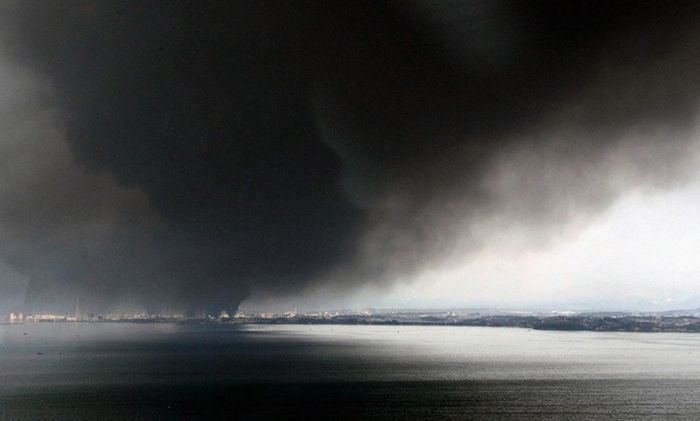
(641, 254)
(184, 157)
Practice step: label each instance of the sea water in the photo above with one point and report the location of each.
(167, 371)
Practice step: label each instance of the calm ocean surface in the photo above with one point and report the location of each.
(131, 371)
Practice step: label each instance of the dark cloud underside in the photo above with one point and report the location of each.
(270, 144)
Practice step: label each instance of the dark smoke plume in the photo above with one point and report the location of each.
(176, 155)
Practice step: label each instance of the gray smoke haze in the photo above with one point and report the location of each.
(62, 224)
(180, 156)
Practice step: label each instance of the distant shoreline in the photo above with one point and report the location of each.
(592, 323)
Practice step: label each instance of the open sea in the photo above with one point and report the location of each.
(75, 371)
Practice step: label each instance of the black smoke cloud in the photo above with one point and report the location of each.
(206, 149)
